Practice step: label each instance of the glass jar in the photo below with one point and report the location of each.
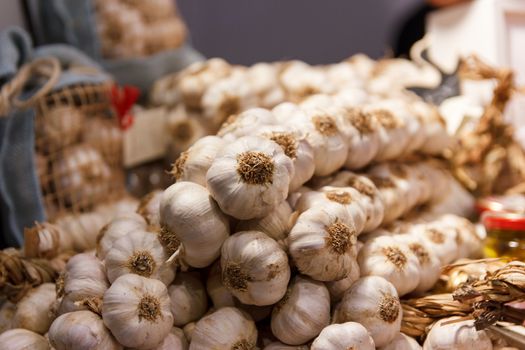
(505, 234)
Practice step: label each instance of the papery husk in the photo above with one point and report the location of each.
(19, 274)
(465, 271)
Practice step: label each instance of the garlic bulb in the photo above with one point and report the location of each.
(467, 239)
(83, 177)
(370, 200)
(441, 239)
(104, 135)
(324, 135)
(141, 253)
(7, 310)
(22, 339)
(149, 209)
(362, 137)
(192, 226)
(392, 197)
(45, 240)
(322, 243)
(301, 80)
(254, 268)
(348, 198)
(280, 346)
(175, 340)
(373, 302)
(81, 330)
(393, 136)
(391, 259)
(246, 123)
(250, 177)
(193, 164)
(188, 299)
(184, 129)
(84, 282)
(226, 328)
(458, 335)
(302, 313)
(338, 288)
(348, 335)
(115, 230)
(429, 263)
(137, 311)
(32, 312)
(295, 145)
(276, 224)
(60, 127)
(402, 342)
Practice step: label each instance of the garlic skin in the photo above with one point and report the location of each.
(370, 200)
(137, 311)
(226, 328)
(188, 330)
(45, 240)
(84, 281)
(322, 243)
(276, 224)
(193, 164)
(338, 288)
(391, 259)
(22, 339)
(188, 299)
(467, 239)
(392, 197)
(175, 340)
(192, 225)
(32, 312)
(219, 294)
(250, 177)
(302, 313)
(393, 136)
(280, 346)
(324, 135)
(254, 268)
(429, 263)
(61, 127)
(373, 302)
(402, 342)
(184, 129)
(81, 330)
(7, 310)
(362, 130)
(441, 239)
(245, 123)
(149, 209)
(348, 198)
(459, 335)
(115, 230)
(141, 253)
(348, 335)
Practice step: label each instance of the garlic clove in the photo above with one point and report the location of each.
(373, 302)
(302, 313)
(226, 328)
(348, 335)
(402, 342)
(254, 268)
(460, 335)
(32, 311)
(137, 311)
(192, 225)
(22, 339)
(188, 298)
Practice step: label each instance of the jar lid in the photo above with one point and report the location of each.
(510, 203)
(503, 221)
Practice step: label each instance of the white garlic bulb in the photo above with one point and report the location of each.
(137, 311)
(391, 259)
(301, 80)
(362, 138)
(115, 230)
(322, 243)
(393, 136)
(60, 127)
(184, 129)
(83, 330)
(391, 196)
(373, 302)
(32, 311)
(338, 288)
(149, 206)
(188, 299)
(280, 346)
(296, 147)
(246, 123)
(402, 342)
(458, 335)
(302, 313)
(22, 339)
(193, 164)
(467, 239)
(276, 224)
(192, 225)
(254, 268)
(250, 177)
(370, 200)
(441, 239)
(175, 340)
(141, 253)
(324, 135)
(348, 335)
(429, 263)
(45, 240)
(84, 281)
(348, 198)
(83, 228)
(7, 310)
(226, 328)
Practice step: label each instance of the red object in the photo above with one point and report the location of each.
(493, 220)
(123, 98)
